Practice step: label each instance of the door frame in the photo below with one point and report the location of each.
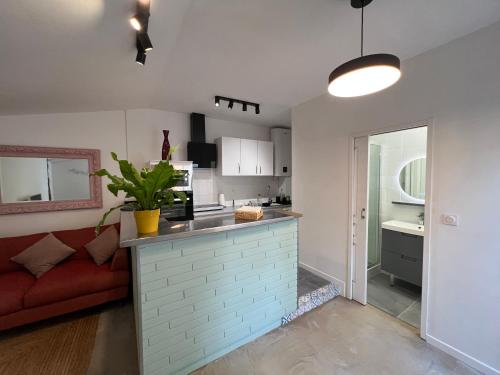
(427, 251)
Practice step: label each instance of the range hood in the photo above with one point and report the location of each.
(202, 154)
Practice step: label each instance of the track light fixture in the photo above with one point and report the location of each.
(140, 58)
(231, 101)
(140, 23)
(136, 23)
(144, 41)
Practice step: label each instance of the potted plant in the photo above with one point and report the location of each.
(151, 188)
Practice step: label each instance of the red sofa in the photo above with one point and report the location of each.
(74, 284)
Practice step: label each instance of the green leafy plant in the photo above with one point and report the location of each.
(151, 188)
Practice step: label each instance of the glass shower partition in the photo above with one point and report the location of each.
(374, 206)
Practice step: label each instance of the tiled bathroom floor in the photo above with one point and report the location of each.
(308, 282)
(403, 300)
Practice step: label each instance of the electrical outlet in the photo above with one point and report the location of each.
(448, 219)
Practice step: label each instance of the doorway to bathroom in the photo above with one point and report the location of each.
(388, 257)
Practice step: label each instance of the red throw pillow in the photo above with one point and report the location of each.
(43, 255)
(104, 246)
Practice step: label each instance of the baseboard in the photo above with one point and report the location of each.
(338, 283)
(471, 361)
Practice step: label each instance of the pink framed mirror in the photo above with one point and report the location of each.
(37, 179)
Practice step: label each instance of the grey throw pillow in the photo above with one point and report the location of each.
(104, 246)
(43, 255)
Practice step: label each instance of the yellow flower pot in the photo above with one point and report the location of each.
(147, 221)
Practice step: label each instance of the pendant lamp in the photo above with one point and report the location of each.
(366, 74)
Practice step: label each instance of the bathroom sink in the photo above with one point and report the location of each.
(404, 227)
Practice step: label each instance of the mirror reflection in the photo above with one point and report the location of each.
(412, 179)
(26, 179)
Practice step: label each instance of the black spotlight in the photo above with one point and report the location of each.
(136, 22)
(230, 105)
(244, 107)
(139, 23)
(144, 41)
(217, 101)
(140, 58)
(257, 109)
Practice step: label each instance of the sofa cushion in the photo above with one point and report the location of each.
(77, 239)
(43, 255)
(13, 286)
(71, 279)
(11, 246)
(104, 246)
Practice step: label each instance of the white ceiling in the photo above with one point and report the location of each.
(69, 56)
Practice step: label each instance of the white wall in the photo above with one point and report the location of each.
(101, 130)
(397, 149)
(145, 138)
(457, 85)
(136, 133)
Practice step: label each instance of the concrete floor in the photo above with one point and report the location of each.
(340, 337)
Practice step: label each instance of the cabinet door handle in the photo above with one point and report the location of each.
(404, 257)
(239, 168)
(261, 169)
(363, 213)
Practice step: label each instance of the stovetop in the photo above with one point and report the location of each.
(207, 207)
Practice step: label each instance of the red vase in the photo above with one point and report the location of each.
(165, 150)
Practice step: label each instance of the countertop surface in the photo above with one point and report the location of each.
(172, 230)
(231, 209)
(404, 227)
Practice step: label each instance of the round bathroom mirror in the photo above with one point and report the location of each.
(412, 178)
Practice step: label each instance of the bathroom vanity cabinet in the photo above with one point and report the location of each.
(402, 255)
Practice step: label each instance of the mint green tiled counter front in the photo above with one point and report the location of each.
(199, 298)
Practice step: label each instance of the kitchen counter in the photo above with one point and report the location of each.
(205, 287)
(231, 209)
(170, 230)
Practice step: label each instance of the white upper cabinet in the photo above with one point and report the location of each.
(229, 155)
(265, 162)
(249, 157)
(244, 157)
(282, 139)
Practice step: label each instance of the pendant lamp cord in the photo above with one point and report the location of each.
(362, 25)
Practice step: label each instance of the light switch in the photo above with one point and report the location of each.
(447, 219)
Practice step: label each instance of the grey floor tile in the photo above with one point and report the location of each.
(395, 300)
(412, 314)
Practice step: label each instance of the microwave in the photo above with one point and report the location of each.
(186, 183)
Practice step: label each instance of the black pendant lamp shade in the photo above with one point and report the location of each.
(366, 74)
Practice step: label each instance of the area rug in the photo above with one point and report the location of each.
(57, 346)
